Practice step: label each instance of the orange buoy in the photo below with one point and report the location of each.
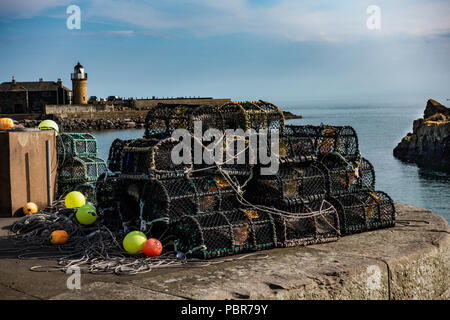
(152, 247)
(6, 123)
(30, 208)
(59, 237)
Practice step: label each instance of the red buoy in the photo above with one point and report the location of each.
(152, 247)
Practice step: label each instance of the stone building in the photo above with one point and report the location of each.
(31, 97)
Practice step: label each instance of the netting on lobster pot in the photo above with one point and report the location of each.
(164, 118)
(289, 182)
(348, 175)
(252, 115)
(115, 154)
(274, 116)
(107, 195)
(364, 210)
(76, 144)
(224, 233)
(289, 149)
(86, 188)
(328, 139)
(309, 222)
(177, 197)
(81, 170)
(152, 157)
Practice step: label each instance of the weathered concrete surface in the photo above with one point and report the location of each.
(410, 261)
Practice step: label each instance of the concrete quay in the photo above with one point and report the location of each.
(409, 261)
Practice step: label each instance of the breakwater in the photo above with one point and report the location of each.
(97, 121)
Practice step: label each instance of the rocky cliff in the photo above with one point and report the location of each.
(429, 143)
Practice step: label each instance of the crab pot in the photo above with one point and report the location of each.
(328, 139)
(76, 145)
(174, 198)
(364, 210)
(349, 175)
(165, 118)
(252, 115)
(115, 154)
(289, 182)
(81, 170)
(308, 222)
(151, 157)
(224, 233)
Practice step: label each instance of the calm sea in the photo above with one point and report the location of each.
(379, 130)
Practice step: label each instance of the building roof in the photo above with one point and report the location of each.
(31, 86)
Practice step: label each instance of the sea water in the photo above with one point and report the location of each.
(379, 129)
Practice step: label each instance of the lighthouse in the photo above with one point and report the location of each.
(79, 85)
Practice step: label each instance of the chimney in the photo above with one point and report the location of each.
(40, 79)
(59, 82)
(13, 80)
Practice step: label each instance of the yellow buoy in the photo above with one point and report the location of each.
(49, 125)
(74, 199)
(86, 214)
(134, 242)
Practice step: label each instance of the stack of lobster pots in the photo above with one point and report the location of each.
(323, 188)
(79, 166)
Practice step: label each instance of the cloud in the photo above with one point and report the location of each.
(19, 9)
(306, 20)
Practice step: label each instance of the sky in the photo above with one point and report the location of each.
(278, 50)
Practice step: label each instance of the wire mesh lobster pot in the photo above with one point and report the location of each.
(348, 175)
(164, 118)
(81, 170)
(76, 144)
(364, 210)
(174, 198)
(291, 149)
(224, 233)
(309, 222)
(115, 154)
(151, 157)
(252, 115)
(328, 139)
(289, 182)
(107, 194)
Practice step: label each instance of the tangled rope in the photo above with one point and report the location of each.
(95, 250)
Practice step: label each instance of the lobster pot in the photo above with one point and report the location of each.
(236, 155)
(364, 210)
(151, 157)
(292, 149)
(224, 233)
(274, 115)
(115, 154)
(348, 176)
(86, 188)
(76, 144)
(252, 115)
(289, 182)
(175, 198)
(81, 170)
(164, 118)
(107, 193)
(306, 222)
(328, 139)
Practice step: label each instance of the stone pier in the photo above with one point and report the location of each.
(409, 261)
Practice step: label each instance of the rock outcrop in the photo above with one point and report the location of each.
(429, 143)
